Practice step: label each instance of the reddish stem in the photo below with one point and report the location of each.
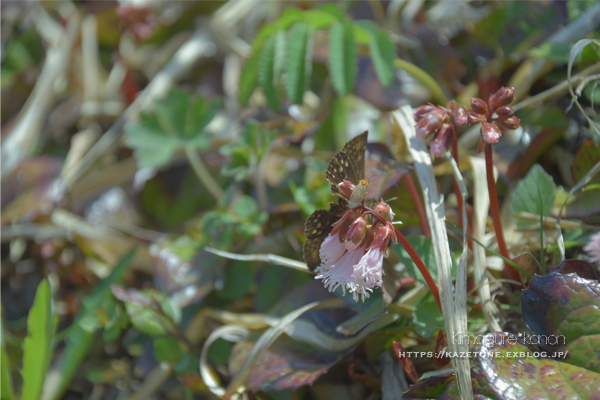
(495, 210)
(413, 256)
(458, 194)
(419, 263)
(415, 196)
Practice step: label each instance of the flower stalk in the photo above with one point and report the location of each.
(495, 211)
(410, 184)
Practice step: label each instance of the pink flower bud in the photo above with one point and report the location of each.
(346, 188)
(384, 210)
(356, 234)
(430, 123)
(508, 123)
(421, 111)
(442, 140)
(505, 112)
(480, 106)
(382, 237)
(459, 116)
(475, 118)
(503, 97)
(490, 132)
(341, 226)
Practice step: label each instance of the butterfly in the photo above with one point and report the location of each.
(347, 164)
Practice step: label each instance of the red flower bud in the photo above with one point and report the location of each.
(421, 111)
(382, 237)
(508, 123)
(480, 106)
(430, 123)
(346, 188)
(459, 116)
(384, 210)
(475, 118)
(341, 226)
(442, 140)
(504, 112)
(490, 132)
(356, 234)
(503, 97)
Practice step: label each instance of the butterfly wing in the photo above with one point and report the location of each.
(355, 149)
(317, 227)
(348, 163)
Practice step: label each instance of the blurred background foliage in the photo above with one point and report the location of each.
(135, 135)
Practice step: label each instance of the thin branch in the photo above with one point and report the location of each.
(557, 90)
(204, 174)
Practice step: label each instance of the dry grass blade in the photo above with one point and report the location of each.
(481, 206)
(269, 258)
(269, 337)
(187, 55)
(460, 290)
(434, 208)
(25, 134)
(230, 333)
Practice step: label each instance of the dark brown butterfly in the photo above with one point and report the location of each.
(347, 164)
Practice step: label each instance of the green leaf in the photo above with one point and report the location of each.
(279, 56)
(177, 122)
(563, 309)
(319, 19)
(527, 198)
(150, 321)
(333, 9)
(167, 349)
(298, 60)
(266, 73)
(424, 248)
(171, 112)
(199, 115)
(248, 79)
(6, 390)
(37, 348)
(427, 318)
(79, 341)
(342, 57)
(382, 52)
(558, 52)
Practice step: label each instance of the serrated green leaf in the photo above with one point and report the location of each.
(299, 53)
(199, 115)
(279, 56)
(527, 198)
(342, 57)
(177, 122)
(266, 73)
(37, 348)
(382, 52)
(172, 111)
